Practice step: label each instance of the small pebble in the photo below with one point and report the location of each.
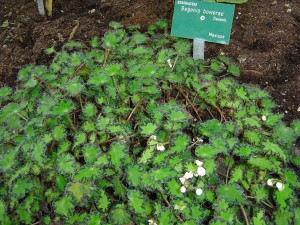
(289, 10)
(91, 11)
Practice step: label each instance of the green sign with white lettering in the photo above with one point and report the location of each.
(208, 21)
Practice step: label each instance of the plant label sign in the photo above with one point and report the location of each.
(207, 21)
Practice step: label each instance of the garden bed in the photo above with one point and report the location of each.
(265, 38)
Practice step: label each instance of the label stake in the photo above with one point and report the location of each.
(198, 49)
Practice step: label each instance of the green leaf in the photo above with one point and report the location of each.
(60, 182)
(283, 196)
(119, 188)
(103, 202)
(177, 116)
(64, 206)
(80, 190)
(111, 40)
(115, 25)
(117, 154)
(283, 217)
(261, 163)
(234, 70)
(166, 218)
(119, 216)
(63, 108)
(38, 152)
(206, 151)
(252, 136)
(148, 129)
(5, 91)
(87, 172)
(174, 188)
(94, 43)
(139, 38)
(98, 79)
(94, 219)
(284, 134)
(297, 215)
(274, 149)
(59, 132)
(24, 215)
(182, 47)
(133, 175)
(21, 187)
(90, 153)
(7, 160)
(210, 128)
(291, 178)
(66, 163)
(80, 139)
(296, 126)
(9, 110)
(179, 143)
(232, 193)
(147, 154)
(252, 122)
(161, 174)
(74, 87)
(89, 110)
(273, 119)
(136, 202)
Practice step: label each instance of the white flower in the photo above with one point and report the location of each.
(298, 110)
(182, 180)
(199, 139)
(201, 171)
(270, 182)
(280, 186)
(264, 118)
(199, 191)
(179, 207)
(160, 147)
(169, 63)
(199, 163)
(152, 137)
(188, 175)
(151, 222)
(183, 189)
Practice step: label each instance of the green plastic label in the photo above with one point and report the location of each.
(208, 21)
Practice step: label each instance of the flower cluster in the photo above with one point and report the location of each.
(159, 146)
(277, 183)
(189, 175)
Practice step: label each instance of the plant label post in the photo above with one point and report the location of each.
(202, 21)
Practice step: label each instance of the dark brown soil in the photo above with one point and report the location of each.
(265, 38)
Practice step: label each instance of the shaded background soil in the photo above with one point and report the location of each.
(265, 38)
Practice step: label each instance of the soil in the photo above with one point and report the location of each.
(265, 38)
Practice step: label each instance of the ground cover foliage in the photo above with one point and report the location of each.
(131, 130)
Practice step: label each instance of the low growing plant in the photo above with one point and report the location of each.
(132, 130)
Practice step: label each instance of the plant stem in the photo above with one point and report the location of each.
(227, 173)
(106, 56)
(193, 107)
(117, 138)
(77, 69)
(174, 63)
(71, 123)
(135, 107)
(165, 198)
(245, 215)
(23, 117)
